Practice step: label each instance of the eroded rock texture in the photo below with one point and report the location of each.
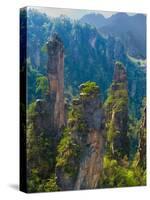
(47, 116)
(92, 157)
(120, 75)
(86, 130)
(117, 114)
(55, 69)
(142, 142)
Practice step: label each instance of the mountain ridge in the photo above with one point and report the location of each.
(88, 56)
(131, 30)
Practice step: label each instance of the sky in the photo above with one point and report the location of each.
(72, 13)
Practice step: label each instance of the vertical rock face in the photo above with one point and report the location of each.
(86, 129)
(41, 120)
(120, 74)
(55, 69)
(47, 116)
(142, 142)
(90, 169)
(117, 114)
(91, 163)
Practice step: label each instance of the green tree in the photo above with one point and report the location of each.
(116, 108)
(42, 87)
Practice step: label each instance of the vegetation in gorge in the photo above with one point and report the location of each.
(116, 107)
(68, 152)
(89, 89)
(120, 166)
(95, 63)
(103, 92)
(121, 173)
(40, 154)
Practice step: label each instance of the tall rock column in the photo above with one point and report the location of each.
(55, 69)
(142, 141)
(91, 161)
(116, 107)
(80, 152)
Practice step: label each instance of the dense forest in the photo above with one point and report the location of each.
(86, 106)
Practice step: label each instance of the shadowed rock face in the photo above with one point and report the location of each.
(117, 114)
(86, 130)
(91, 162)
(55, 69)
(142, 142)
(120, 116)
(48, 118)
(119, 73)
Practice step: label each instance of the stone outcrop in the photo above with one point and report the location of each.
(42, 117)
(142, 141)
(120, 74)
(116, 107)
(91, 163)
(55, 69)
(86, 128)
(47, 116)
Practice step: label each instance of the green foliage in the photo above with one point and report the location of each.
(31, 112)
(89, 89)
(36, 184)
(142, 137)
(80, 66)
(39, 146)
(121, 174)
(117, 98)
(75, 114)
(112, 132)
(42, 86)
(39, 155)
(143, 106)
(82, 127)
(34, 181)
(51, 184)
(32, 75)
(116, 107)
(75, 117)
(44, 49)
(68, 151)
(40, 152)
(133, 129)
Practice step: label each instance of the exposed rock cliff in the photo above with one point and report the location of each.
(55, 69)
(142, 141)
(86, 129)
(120, 74)
(46, 117)
(116, 107)
(91, 163)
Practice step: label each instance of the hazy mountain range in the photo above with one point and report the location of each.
(88, 54)
(86, 112)
(131, 30)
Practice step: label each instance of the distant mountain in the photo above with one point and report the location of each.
(131, 30)
(85, 133)
(97, 20)
(88, 57)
